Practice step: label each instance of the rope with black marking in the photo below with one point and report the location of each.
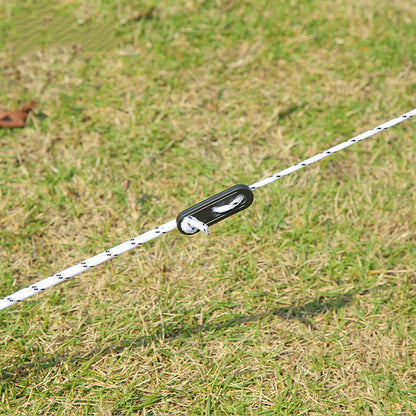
(189, 224)
(334, 149)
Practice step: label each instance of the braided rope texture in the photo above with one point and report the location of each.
(333, 150)
(171, 225)
(86, 264)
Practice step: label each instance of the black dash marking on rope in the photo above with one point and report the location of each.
(83, 264)
(379, 128)
(328, 152)
(353, 140)
(35, 287)
(59, 276)
(11, 300)
(133, 242)
(108, 252)
(404, 115)
(303, 164)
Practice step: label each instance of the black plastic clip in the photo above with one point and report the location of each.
(215, 209)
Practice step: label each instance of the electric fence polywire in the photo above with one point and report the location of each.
(171, 225)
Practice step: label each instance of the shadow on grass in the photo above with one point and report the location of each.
(304, 313)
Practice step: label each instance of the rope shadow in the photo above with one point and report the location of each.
(303, 313)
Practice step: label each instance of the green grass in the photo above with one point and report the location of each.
(303, 304)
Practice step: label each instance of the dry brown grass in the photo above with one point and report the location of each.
(302, 305)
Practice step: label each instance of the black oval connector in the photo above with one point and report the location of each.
(208, 211)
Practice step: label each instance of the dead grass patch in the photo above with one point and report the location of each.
(304, 304)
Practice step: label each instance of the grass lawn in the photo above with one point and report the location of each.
(305, 303)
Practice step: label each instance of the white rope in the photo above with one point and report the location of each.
(333, 150)
(193, 222)
(191, 225)
(236, 201)
(85, 265)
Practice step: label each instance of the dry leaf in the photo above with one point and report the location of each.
(16, 118)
